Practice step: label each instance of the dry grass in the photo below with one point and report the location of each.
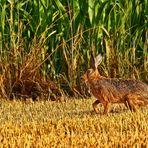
(70, 124)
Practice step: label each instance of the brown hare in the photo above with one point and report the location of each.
(133, 93)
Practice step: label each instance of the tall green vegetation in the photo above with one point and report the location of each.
(53, 38)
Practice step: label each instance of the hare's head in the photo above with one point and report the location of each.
(92, 73)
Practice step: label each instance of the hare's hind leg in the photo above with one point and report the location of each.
(95, 106)
(132, 106)
(131, 103)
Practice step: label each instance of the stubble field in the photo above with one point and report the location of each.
(70, 123)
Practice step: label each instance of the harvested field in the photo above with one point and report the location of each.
(70, 124)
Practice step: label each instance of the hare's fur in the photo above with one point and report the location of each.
(133, 93)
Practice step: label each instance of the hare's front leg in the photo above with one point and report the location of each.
(106, 107)
(95, 106)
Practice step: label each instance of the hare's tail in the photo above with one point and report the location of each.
(146, 102)
(143, 102)
(146, 99)
(138, 98)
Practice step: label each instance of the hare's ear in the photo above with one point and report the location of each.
(98, 60)
(92, 61)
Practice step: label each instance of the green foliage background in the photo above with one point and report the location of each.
(61, 33)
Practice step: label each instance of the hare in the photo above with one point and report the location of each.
(133, 93)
